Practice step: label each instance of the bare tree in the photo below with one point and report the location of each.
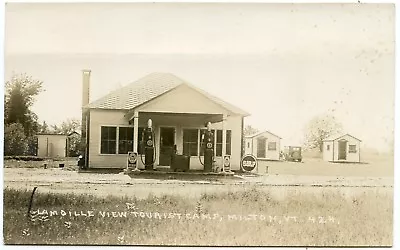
(249, 130)
(67, 127)
(319, 128)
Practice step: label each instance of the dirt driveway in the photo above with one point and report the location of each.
(63, 181)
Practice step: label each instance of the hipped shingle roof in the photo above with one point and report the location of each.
(148, 88)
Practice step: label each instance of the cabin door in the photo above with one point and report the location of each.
(342, 150)
(167, 142)
(261, 147)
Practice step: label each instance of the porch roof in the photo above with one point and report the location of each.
(180, 118)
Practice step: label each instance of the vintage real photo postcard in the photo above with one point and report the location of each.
(199, 124)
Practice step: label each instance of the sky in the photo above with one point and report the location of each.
(283, 63)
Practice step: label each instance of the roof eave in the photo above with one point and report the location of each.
(338, 137)
(245, 114)
(260, 133)
(51, 134)
(208, 95)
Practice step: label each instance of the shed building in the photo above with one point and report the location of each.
(264, 145)
(341, 148)
(52, 145)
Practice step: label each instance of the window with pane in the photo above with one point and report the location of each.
(190, 142)
(272, 146)
(228, 142)
(139, 140)
(125, 140)
(218, 143)
(108, 140)
(352, 149)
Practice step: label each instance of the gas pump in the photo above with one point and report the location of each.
(148, 143)
(207, 143)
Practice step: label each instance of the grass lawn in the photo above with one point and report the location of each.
(243, 218)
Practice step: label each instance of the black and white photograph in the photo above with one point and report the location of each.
(199, 124)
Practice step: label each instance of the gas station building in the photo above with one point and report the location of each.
(112, 125)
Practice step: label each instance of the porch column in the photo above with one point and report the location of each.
(135, 135)
(135, 131)
(223, 140)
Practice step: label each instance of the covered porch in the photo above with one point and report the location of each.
(181, 132)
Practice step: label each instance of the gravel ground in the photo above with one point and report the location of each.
(63, 181)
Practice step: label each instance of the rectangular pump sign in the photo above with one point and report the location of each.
(132, 159)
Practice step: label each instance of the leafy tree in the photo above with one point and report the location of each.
(21, 123)
(14, 139)
(319, 128)
(20, 93)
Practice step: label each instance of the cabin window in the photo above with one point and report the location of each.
(272, 146)
(328, 147)
(352, 149)
(125, 140)
(108, 140)
(190, 142)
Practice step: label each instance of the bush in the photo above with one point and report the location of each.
(23, 158)
(74, 145)
(15, 141)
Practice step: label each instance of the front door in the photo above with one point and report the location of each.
(342, 150)
(167, 142)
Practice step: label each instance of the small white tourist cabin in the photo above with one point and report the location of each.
(264, 145)
(113, 124)
(341, 148)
